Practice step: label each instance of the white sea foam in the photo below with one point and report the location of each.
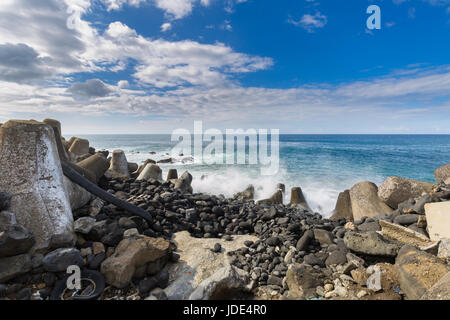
(321, 195)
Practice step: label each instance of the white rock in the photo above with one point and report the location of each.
(361, 294)
(374, 282)
(223, 280)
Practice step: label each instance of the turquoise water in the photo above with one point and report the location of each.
(322, 165)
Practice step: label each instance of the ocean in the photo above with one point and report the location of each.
(322, 165)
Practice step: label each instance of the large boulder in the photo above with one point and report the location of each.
(365, 201)
(79, 147)
(298, 199)
(131, 254)
(276, 198)
(438, 220)
(31, 173)
(172, 174)
(418, 271)
(442, 174)
(247, 194)
(224, 283)
(60, 259)
(119, 165)
(142, 166)
(184, 182)
(343, 209)
(370, 243)
(440, 290)
(151, 171)
(395, 190)
(302, 281)
(97, 164)
(198, 263)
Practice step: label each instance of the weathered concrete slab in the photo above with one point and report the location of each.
(31, 173)
(401, 234)
(438, 220)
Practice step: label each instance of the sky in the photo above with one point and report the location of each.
(152, 66)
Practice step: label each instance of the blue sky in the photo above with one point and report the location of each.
(151, 66)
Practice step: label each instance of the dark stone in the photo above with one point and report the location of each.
(312, 260)
(304, 241)
(174, 257)
(369, 226)
(370, 243)
(12, 267)
(248, 243)
(15, 240)
(294, 227)
(273, 241)
(217, 248)
(323, 236)
(218, 211)
(62, 240)
(419, 206)
(96, 261)
(5, 199)
(163, 278)
(60, 259)
(147, 284)
(275, 281)
(159, 294)
(336, 257)
(406, 219)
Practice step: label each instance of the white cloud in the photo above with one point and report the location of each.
(93, 88)
(21, 63)
(310, 22)
(356, 103)
(118, 4)
(160, 63)
(166, 27)
(178, 9)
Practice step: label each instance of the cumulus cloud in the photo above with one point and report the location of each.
(21, 63)
(157, 62)
(178, 9)
(93, 88)
(118, 4)
(310, 22)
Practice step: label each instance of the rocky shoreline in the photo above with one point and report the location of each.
(387, 242)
